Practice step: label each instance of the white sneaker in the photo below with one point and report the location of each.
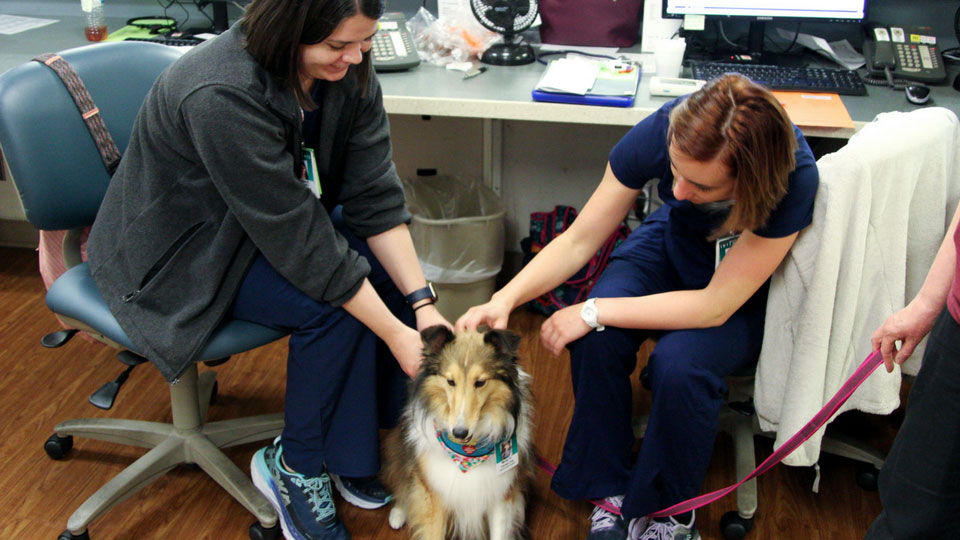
(667, 529)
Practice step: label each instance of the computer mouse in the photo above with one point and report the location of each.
(917, 94)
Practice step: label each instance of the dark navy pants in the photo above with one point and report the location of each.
(343, 383)
(687, 370)
(920, 480)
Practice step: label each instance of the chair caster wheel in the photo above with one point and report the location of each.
(57, 448)
(65, 535)
(735, 527)
(259, 532)
(867, 477)
(58, 338)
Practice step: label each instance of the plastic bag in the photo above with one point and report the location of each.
(457, 228)
(456, 38)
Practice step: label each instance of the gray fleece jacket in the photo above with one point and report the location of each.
(211, 177)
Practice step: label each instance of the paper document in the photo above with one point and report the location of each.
(595, 77)
(840, 52)
(570, 76)
(13, 24)
(808, 109)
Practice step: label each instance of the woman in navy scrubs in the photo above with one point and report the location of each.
(733, 171)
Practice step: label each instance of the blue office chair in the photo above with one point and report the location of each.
(61, 180)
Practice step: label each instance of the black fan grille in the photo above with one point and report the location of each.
(505, 16)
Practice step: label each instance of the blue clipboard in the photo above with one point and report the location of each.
(586, 99)
(614, 83)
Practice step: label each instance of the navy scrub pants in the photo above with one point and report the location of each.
(343, 384)
(687, 370)
(920, 480)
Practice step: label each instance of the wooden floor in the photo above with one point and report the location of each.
(41, 387)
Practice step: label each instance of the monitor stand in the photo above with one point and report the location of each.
(755, 51)
(220, 20)
(220, 23)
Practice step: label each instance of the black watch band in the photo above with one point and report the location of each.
(420, 294)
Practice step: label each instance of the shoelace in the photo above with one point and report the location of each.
(659, 530)
(319, 494)
(603, 519)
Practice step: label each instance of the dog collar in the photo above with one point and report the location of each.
(464, 455)
(466, 450)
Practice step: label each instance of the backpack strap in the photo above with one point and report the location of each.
(88, 110)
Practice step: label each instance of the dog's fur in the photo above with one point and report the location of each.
(471, 384)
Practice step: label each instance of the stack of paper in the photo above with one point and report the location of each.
(569, 75)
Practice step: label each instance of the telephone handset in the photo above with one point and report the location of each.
(907, 52)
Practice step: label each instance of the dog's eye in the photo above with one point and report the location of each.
(478, 384)
(451, 382)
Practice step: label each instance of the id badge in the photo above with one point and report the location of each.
(507, 456)
(723, 245)
(313, 175)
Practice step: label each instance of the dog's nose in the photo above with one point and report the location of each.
(460, 432)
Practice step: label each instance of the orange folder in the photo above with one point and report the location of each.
(813, 109)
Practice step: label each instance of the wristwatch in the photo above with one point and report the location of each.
(589, 313)
(420, 294)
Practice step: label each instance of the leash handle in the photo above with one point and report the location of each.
(859, 376)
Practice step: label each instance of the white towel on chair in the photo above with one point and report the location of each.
(884, 202)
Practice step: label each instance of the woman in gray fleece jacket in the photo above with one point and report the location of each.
(211, 212)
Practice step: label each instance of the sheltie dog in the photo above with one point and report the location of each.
(462, 458)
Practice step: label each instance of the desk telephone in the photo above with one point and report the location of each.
(909, 52)
(393, 48)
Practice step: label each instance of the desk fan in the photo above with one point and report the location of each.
(507, 17)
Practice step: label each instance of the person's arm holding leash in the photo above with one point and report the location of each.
(912, 323)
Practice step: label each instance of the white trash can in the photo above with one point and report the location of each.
(457, 229)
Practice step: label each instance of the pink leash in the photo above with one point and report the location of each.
(807, 431)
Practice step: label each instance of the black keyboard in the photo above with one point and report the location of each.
(837, 81)
(175, 41)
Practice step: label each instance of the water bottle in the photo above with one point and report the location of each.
(95, 27)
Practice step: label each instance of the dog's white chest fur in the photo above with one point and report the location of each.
(467, 492)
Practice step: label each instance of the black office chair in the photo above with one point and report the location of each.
(61, 179)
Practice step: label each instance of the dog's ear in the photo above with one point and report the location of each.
(435, 338)
(504, 342)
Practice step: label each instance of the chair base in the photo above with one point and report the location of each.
(187, 440)
(741, 428)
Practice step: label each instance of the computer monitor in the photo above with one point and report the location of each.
(759, 12)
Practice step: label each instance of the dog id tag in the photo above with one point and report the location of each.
(507, 456)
